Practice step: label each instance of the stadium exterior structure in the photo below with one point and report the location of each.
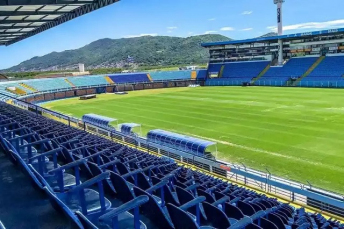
(237, 66)
(290, 191)
(311, 59)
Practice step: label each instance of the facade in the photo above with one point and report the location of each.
(301, 44)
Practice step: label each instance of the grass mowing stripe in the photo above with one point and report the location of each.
(248, 112)
(191, 126)
(163, 104)
(286, 132)
(309, 126)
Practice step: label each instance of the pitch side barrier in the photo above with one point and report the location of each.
(290, 191)
(103, 88)
(177, 83)
(276, 83)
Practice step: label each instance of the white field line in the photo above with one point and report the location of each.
(337, 141)
(339, 169)
(251, 103)
(236, 112)
(236, 135)
(248, 148)
(281, 107)
(211, 111)
(258, 104)
(253, 97)
(232, 144)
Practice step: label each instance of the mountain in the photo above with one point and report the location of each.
(146, 50)
(271, 34)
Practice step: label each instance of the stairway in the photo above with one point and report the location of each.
(16, 91)
(316, 63)
(28, 87)
(193, 75)
(70, 83)
(221, 71)
(109, 80)
(261, 74)
(149, 77)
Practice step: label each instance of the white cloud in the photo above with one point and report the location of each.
(141, 35)
(311, 25)
(227, 29)
(169, 31)
(211, 19)
(247, 29)
(247, 12)
(190, 33)
(172, 27)
(210, 32)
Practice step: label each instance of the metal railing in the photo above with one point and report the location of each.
(277, 83)
(305, 194)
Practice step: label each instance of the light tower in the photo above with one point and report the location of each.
(279, 29)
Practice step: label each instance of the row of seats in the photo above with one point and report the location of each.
(129, 78)
(329, 72)
(237, 70)
(101, 184)
(249, 69)
(47, 84)
(83, 81)
(331, 66)
(294, 68)
(171, 75)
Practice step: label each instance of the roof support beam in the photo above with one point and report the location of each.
(64, 18)
(40, 2)
(11, 33)
(28, 13)
(17, 27)
(3, 22)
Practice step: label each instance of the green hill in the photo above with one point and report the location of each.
(105, 53)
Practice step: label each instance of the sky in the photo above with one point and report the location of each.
(237, 19)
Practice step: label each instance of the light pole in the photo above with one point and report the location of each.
(279, 29)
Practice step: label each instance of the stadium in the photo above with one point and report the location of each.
(252, 141)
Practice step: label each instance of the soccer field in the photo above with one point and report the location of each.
(297, 133)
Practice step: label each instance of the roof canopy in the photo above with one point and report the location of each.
(97, 119)
(177, 141)
(127, 127)
(275, 38)
(20, 19)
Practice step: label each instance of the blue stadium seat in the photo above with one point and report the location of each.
(83, 81)
(244, 70)
(160, 193)
(294, 68)
(129, 78)
(236, 73)
(329, 73)
(182, 219)
(170, 75)
(47, 84)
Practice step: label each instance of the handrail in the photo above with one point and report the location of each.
(285, 187)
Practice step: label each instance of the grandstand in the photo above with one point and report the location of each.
(313, 59)
(129, 178)
(294, 68)
(100, 177)
(64, 83)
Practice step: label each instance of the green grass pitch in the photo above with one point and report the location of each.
(297, 133)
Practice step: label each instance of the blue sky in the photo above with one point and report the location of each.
(236, 19)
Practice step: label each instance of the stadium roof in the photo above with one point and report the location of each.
(276, 38)
(20, 19)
